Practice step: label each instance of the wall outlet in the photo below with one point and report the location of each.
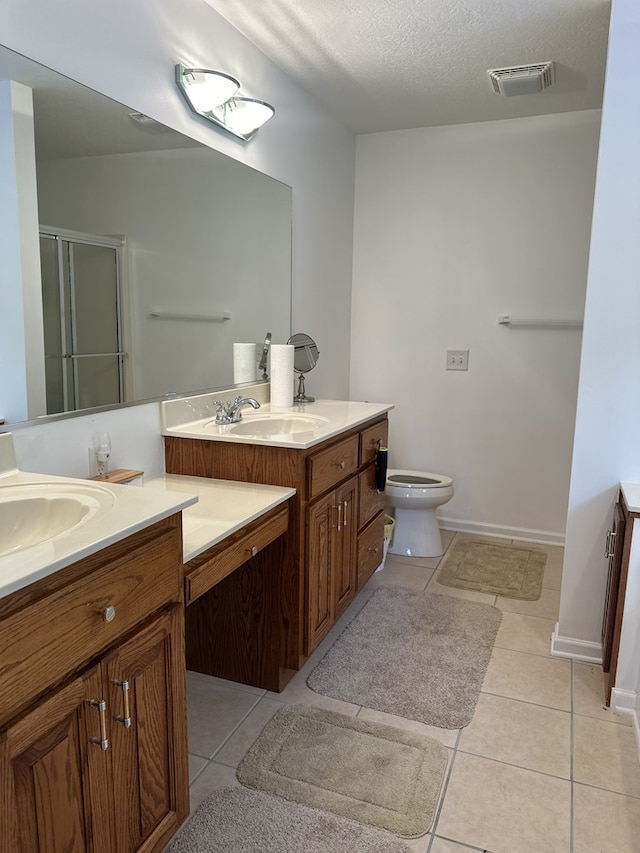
(457, 359)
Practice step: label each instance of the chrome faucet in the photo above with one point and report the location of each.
(231, 413)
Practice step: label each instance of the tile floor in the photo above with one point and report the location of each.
(543, 767)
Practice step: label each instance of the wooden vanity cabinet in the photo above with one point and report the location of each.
(335, 483)
(93, 751)
(242, 596)
(618, 551)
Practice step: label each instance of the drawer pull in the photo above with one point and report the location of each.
(345, 505)
(109, 614)
(341, 464)
(103, 740)
(126, 719)
(374, 550)
(253, 550)
(609, 548)
(339, 508)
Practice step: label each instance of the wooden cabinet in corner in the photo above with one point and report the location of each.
(93, 744)
(335, 483)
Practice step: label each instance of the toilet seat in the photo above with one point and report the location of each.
(417, 479)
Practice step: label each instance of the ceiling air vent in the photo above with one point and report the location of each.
(521, 79)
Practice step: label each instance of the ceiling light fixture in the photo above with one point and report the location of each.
(213, 95)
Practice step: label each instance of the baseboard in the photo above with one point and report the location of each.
(626, 702)
(525, 534)
(623, 701)
(569, 647)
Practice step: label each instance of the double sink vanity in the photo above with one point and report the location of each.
(239, 559)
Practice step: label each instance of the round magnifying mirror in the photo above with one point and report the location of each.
(305, 357)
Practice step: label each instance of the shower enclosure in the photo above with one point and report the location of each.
(82, 317)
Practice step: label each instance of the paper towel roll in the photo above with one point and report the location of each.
(244, 362)
(282, 374)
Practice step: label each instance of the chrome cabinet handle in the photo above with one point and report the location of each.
(345, 504)
(103, 740)
(253, 550)
(341, 464)
(125, 718)
(109, 614)
(339, 508)
(610, 544)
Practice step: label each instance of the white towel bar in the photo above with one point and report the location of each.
(507, 320)
(176, 315)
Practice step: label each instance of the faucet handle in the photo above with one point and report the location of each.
(222, 412)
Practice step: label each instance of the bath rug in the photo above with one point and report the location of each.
(236, 820)
(375, 774)
(513, 571)
(414, 654)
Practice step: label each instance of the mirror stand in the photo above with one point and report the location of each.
(301, 397)
(305, 357)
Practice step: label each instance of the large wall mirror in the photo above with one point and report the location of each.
(156, 252)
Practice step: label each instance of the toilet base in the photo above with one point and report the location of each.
(416, 533)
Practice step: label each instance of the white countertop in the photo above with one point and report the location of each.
(334, 416)
(127, 510)
(631, 493)
(223, 507)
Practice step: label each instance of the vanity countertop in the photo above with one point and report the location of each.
(125, 510)
(631, 493)
(223, 507)
(332, 417)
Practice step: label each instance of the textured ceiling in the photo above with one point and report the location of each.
(392, 64)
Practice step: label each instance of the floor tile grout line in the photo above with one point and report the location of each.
(515, 766)
(526, 701)
(445, 787)
(235, 729)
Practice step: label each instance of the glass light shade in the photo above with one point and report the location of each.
(205, 90)
(243, 116)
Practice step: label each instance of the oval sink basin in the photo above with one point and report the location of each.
(33, 513)
(276, 425)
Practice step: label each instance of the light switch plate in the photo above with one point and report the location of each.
(457, 359)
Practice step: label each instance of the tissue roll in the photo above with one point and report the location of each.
(282, 374)
(244, 362)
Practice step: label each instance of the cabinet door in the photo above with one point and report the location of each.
(55, 775)
(615, 543)
(346, 538)
(320, 558)
(148, 734)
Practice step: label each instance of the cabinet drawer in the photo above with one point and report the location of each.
(371, 500)
(332, 465)
(370, 549)
(47, 640)
(370, 438)
(233, 552)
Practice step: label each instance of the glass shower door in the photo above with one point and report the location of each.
(82, 322)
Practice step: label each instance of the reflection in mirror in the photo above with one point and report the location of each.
(305, 358)
(157, 253)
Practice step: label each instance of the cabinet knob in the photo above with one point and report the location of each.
(253, 550)
(341, 464)
(109, 614)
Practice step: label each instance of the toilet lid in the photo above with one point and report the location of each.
(417, 479)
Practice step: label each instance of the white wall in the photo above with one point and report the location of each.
(127, 49)
(454, 226)
(606, 446)
(22, 391)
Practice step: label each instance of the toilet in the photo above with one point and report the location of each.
(413, 497)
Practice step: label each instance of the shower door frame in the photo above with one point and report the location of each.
(62, 237)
